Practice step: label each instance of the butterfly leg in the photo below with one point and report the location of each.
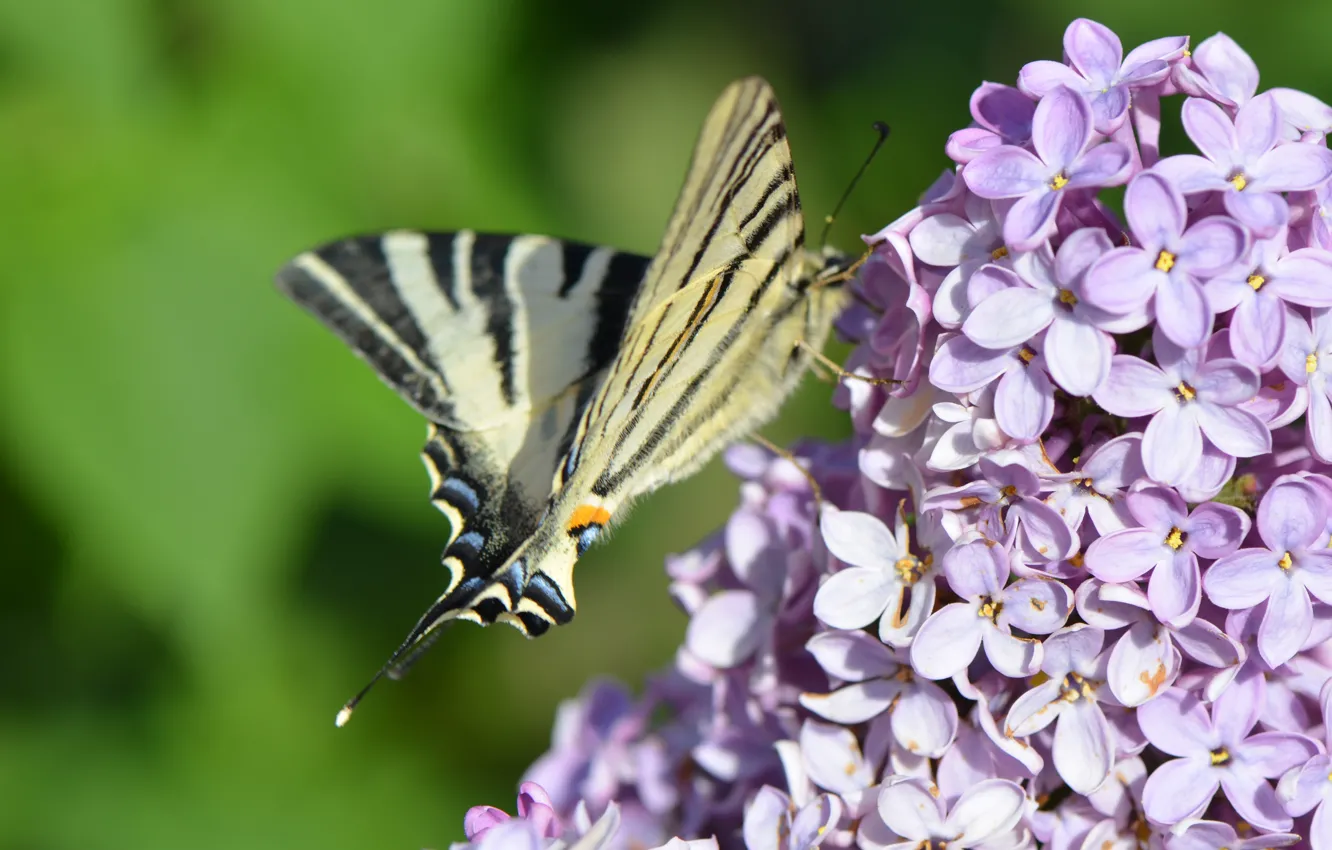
(823, 360)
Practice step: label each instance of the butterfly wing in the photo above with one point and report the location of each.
(498, 340)
(709, 352)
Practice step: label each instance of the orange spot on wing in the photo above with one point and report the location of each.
(585, 515)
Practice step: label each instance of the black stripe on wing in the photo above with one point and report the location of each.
(347, 285)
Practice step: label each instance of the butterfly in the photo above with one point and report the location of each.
(561, 381)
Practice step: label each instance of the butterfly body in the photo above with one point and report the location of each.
(562, 380)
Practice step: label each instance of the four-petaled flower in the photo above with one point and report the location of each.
(922, 717)
(1167, 263)
(1187, 396)
(1061, 131)
(1246, 161)
(1101, 71)
(884, 573)
(912, 809)
(978, 572)
(1075, 670)
(1259, 290)
(1215, 750)
(1168, 542)
(1293, 563)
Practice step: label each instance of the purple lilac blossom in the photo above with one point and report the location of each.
(1167, 265)
(1065, 161)
(1245, 161)
(1187, 397)
(1068, 585)
(1167, 542)
(1293, 564)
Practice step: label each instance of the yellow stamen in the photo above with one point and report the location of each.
(1239, 182)
(990, 609)
(1256, 281)
(999, 253)
(1165, 261)
(1059, 181)
(1311, 362)
(1076, 560)
(1220, 757)
(1175, 538)
(1285, 561)
(1066, 296)
(1026, 354)
(1185, 392)
(909, 569)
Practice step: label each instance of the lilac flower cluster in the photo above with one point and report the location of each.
(1070, 584)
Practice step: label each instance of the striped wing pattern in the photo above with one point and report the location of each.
(564, 381)
(498, 340)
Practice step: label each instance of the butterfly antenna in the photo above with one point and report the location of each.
(883, 130)
(395, 668)
(345, 714)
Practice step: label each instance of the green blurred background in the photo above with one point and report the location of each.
(213, 523)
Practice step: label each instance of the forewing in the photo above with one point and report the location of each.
(738, 200)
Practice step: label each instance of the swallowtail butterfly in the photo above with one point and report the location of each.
(562, 380)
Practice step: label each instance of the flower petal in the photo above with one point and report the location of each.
(1264, 213)
(1291, 516)
(1190, 173)
(832, 758)
(1061, 127)
(925, 720)
(1083, 746)
(1286, 623)
(1177, 724)
(1142, 663)
(1211, 246)
(947, 642)
(1210, 128)
(1242, 580)
(854, 703)
(1036, 606)
(1182, 313)
(1270, 754)
(1035, 709)
(1043, 76)
(1178, 789)
(1292, 167)
(1234, 431)
(1254, 800)
(1122, 281)
(985, 810)
(1172, 444)
(975, 569)
(851, 656)
(962, 366)
(1155, 210)
(1005, 172)
(1078, 355)
(855, 597)
(910, 810)
(1134, 388)
(1015, 657)
(859, 539)
(1009, 317)
(763, 825)
(1032, 218)
(1175, 589)
(1216, 530)
(1126, 555)
(727, 629)
(1024, 402)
